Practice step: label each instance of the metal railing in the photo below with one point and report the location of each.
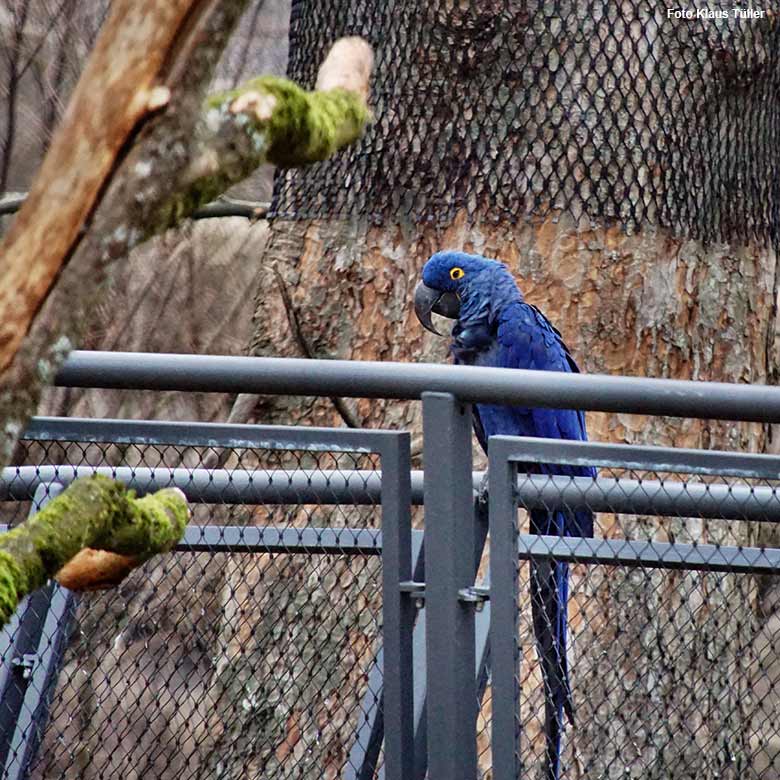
(31, 676)
(447, 690)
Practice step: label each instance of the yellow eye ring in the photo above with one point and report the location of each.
(457, 273)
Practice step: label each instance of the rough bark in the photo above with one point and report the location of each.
(95, 513)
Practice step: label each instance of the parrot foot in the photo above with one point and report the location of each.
(483, 491)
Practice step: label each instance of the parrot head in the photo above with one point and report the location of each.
(447, 278)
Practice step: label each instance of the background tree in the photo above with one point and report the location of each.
(625, 166)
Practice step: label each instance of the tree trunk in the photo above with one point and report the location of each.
(600, 150)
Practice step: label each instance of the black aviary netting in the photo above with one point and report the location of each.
(508, 108)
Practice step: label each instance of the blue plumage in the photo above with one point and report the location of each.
(496, 327)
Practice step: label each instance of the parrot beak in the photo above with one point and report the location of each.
(427, 300)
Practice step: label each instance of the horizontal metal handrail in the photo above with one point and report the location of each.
(207, 434)
(364, 379)
(669, 498)
(216, 486)
(651, 554)
(636, 457)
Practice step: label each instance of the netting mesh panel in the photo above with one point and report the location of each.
(228, 664)
(500, 109)
(673, 671)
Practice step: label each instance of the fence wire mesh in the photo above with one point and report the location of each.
(252, 662)
(616, 111)
(258, 656)
(672, 656)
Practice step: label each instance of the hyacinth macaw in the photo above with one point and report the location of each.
(496, 327)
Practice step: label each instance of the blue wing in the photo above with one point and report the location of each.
(525, 338)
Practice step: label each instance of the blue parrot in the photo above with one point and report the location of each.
(496, 327)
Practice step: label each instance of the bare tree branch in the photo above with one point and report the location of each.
(285, 125)
(13, 55)
(43, 37)
(249, 40)
(223, 207)
(303, 345)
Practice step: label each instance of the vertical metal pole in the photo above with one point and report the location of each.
(397, 608)
(31, 662)
(364, 754)
(503, 617)
(481, 631)
(482, 618)
(449, 567)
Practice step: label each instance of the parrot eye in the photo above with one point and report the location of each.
(457, 273)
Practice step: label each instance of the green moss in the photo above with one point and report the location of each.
(182, 204)
(11, 579)
(304, 127)
(95, 512)
(154, 524)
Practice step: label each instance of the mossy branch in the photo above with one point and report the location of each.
(96, 513)
(272, 119)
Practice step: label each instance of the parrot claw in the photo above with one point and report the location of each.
(483, 491)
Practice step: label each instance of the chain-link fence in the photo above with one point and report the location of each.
(629, 112)
(258, 638)
(672, 664)
(304, 629)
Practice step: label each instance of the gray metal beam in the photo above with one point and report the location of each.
(651, 554)
(359, 379)
(281, 539)
(504, 655)
(363, 488)
(451, 704)
(528, 449)
(364, 754)
(367, 541)
(217, 486)
(481, 641)
(651, 497)
(398, 610)
(200, 434)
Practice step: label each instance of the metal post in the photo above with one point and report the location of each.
(482, 618)
(397, 608)
(31, 657)
(449, 561)
(482, 644)
(364, 754)
(504, 658)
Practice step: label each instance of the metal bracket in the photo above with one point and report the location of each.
(412, 586)
(26, 663)
(415, 589)
(476, 595)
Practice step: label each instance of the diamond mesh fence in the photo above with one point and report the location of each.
(623, 112)
(672, 659)
(253, 659)
(252, 650)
